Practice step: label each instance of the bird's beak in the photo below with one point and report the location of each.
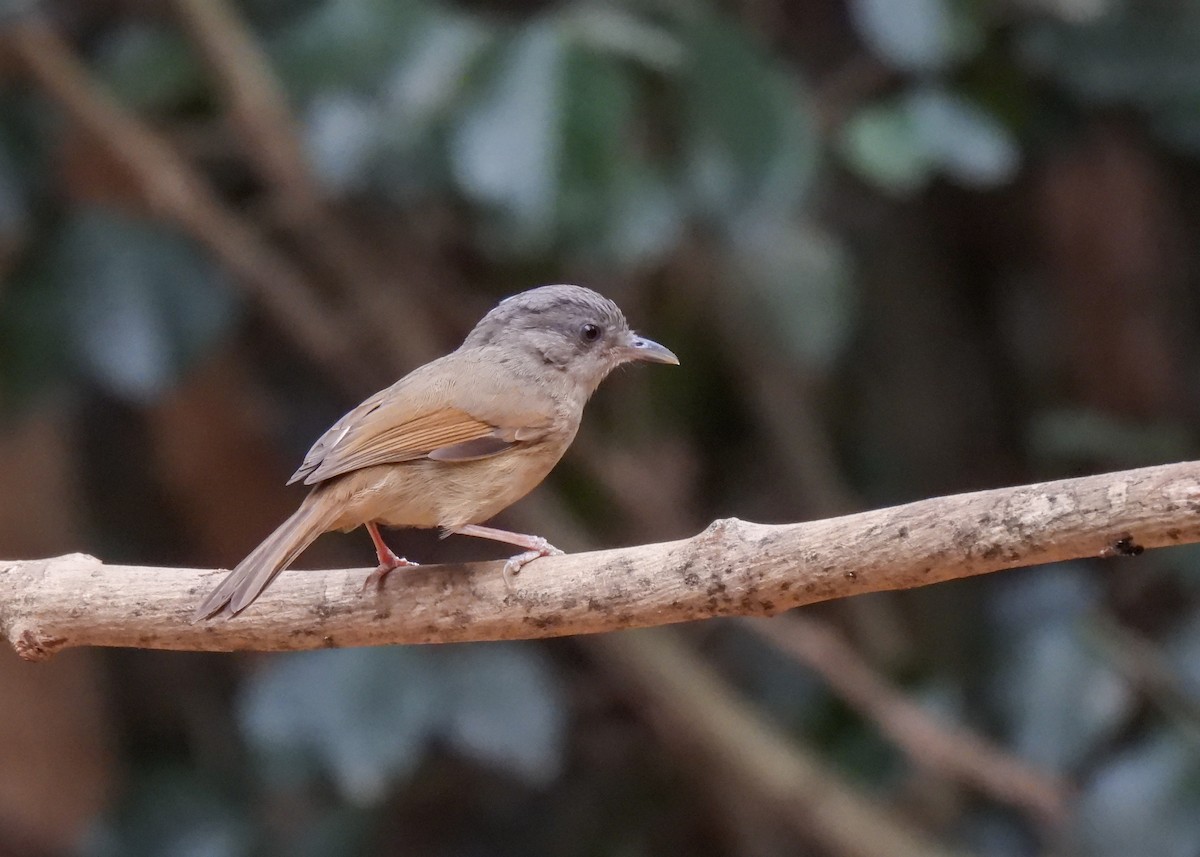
(641, 348)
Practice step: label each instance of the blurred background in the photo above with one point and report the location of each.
(902, 247)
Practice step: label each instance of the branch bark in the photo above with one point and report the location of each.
(731, 568)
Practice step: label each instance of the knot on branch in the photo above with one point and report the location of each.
(31, 645)
(724, 528)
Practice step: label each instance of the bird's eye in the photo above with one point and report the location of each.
(590, 332)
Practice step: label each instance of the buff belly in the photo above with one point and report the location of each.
(425, 493)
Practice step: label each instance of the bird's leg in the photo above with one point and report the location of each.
(388, 561)
(535, 546)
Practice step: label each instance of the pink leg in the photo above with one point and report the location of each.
(388, 561)
(535, 546)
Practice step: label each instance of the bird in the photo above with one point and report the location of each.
(456, 440)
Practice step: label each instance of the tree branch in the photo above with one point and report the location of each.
(732, 568)
(725, 742)
(175, 191)
(258, 108)
(929, 742)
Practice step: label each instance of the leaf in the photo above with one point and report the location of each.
(966, 142)
(347, 44)
(385, 141)
(139, 302)
(882, 144)
(900, 143)
(918, 35)
(433, 75)
(362, 715)
(1058, 699)
(1142, 55)
(504, 708)
(506, 150)
(596, 121)
(750, 139)
(368, 716)
(342, 138)
(612, 31)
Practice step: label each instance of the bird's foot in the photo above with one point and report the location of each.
(387, 564)
(538, 547)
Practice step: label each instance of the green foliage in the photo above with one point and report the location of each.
(614, 141)
(508, 146)
(750, 142)
(118, 301)
(151, 67)
(348, 44)
(933, 127)
(537, 124)
(136, 302)
(902, 143)
(495, 703)
(1140, 55)
(920, 35)
(169, 810)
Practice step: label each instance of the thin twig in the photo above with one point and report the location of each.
(732, 568)
(729, 743)
(259, 109)
(1142, 663)
(938, 746)
(175, 191)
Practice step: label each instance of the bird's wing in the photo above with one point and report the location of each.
(455, 419)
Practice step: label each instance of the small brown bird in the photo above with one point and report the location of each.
(452, 443)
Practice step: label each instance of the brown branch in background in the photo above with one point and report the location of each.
(1142, 664)
(938, 746)
(799, 445)
(729, 745)
(175, 191)
(256, 102)
(258, 108)
(733, 568)
(751, 821)
(951, 751)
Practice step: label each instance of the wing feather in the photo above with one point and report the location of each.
(416, 418)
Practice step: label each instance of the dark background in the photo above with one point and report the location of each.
(902, 247)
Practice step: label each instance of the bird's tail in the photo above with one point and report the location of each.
(279, 550)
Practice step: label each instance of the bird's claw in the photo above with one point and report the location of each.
(376, 577)
(539, 548)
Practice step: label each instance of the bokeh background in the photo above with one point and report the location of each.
(903, 248)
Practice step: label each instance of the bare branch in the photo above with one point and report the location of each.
(732, 568)
(257, 104)
(258, 108)
(938, 746)
(728, 744)
(175, 191)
